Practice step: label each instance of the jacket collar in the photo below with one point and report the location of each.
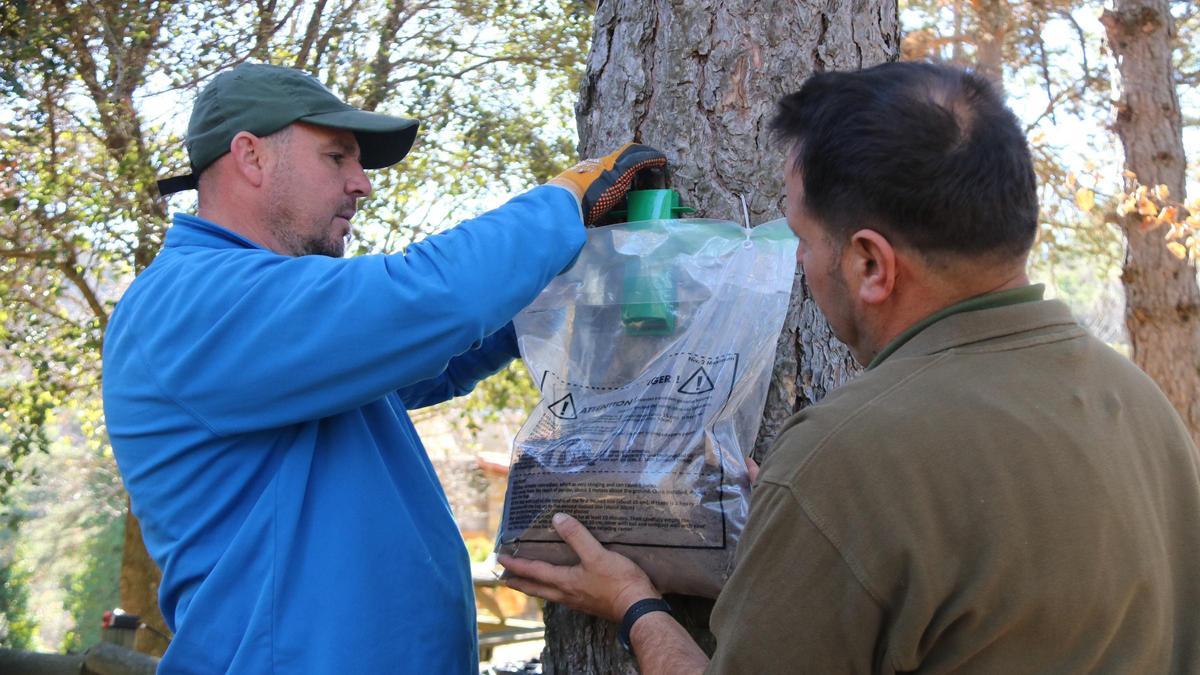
(972, 322)
(189, 230)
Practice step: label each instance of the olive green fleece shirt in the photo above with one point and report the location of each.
(1000, 493)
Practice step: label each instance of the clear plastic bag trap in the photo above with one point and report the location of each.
(653, 354)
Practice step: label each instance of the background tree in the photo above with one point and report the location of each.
(96, 95)
(699, 80)
(1162, 308)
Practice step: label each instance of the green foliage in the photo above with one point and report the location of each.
(23, 426)
(93, 589)
(17, 626)
(507, 391)
(70, 529)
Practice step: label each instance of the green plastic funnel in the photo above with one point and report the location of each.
(648, 303)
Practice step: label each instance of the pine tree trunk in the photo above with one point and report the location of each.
(1162, 299)
(699, 80)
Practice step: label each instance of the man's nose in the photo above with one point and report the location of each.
(359, 184)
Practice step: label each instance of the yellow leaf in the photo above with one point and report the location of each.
(1166, 215)
(1162, 192)
(1146, 208)
(1177, 249)
(1085, 199)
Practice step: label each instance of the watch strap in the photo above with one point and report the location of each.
(636, 611)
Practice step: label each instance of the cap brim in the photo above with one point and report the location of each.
(383, 140)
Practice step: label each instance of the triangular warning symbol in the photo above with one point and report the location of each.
(698, 383)
(563, 408)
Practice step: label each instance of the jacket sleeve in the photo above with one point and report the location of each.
(465, 371)
(254, 340)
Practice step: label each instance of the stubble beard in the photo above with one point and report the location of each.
(323, 244)
(315, 238)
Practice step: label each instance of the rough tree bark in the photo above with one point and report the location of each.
(699, 81)
(1162, 300)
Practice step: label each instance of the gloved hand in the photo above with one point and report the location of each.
(600, 184)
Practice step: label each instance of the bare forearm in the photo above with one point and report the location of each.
(663, 647)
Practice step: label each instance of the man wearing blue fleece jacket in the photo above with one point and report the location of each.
(256, 386)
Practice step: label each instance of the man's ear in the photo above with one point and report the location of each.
(871, 261)
(249, 157)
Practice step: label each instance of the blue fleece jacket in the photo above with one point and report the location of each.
(257, 404)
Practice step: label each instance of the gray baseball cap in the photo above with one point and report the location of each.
(263, 99)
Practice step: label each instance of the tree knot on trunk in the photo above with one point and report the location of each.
(1187, 310)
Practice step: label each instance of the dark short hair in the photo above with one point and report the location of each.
(924, 153)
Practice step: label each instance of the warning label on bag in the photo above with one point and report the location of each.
(563, 408)
(635, 463)
(697, 383)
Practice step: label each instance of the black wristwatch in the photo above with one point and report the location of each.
(636, 611)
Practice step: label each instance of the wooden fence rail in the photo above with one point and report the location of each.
(105, 658)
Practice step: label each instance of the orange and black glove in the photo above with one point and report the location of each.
(600, 184)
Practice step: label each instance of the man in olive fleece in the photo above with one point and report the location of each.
(998, 492)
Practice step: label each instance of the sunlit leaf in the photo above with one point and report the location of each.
(1085, 199)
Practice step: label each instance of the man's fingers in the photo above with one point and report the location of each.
(537, 570)
(577, 537)
(531, 587)
(752, 469)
